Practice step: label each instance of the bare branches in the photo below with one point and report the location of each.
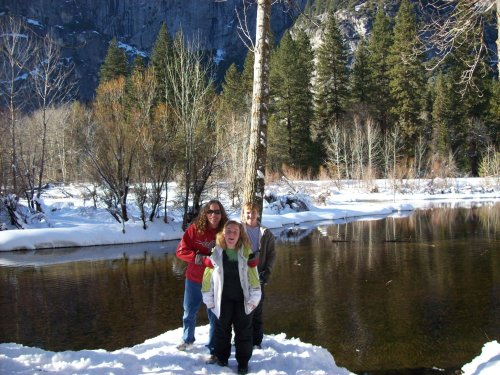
(51, 76)
(16, 48)
(243, 30)
(287, 6)
(453, 25)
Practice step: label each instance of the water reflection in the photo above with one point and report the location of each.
(90, 253)
(93, 304)
(395, 293)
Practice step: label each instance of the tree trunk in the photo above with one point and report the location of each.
(42, 160)
(498, 37)
(256, 163)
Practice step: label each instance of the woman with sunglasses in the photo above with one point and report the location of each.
(195, 248)
(231, 289)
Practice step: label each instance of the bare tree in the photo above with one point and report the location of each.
(16, 50)
(72, 155)
(53, 86)
(5, 162)
(141, 96)
(391, 151)
(232, 138)
(420, 152)
(358, 149)
(456, 23)
(373, 144)
(155, 131)
(256, 162)
(346, 144)
(111, 144)
(334, 150)
(191, 102)
(255, 172)
(490, 163)
(59, 147)
(163, 153)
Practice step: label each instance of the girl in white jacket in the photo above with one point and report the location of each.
(231, 289)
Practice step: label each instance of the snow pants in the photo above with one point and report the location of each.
(233, 316)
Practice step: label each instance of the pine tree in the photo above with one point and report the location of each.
(160, 55)
(332, 80)
(304, 103)
(247, 79)
(361, 86)
(443, 116)
(115, 64)
(139, 64)
(493, 114)
(279, 136)
(379, 44)
(233, 130)
(233, 91)
(407, 76)
(289, 139)
(471, 133)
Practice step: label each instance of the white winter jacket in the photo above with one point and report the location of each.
(213, 281)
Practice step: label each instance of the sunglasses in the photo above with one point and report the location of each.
(213, 212)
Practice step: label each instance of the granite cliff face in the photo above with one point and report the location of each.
(84, 27)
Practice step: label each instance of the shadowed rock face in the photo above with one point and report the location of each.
(84, 28)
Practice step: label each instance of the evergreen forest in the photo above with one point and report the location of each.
(382, 110)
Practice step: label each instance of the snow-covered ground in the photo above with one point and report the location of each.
(70, 220)
(159, 355)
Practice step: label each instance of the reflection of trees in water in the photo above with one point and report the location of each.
(294, 234)
(101, 303)
(489, 219)
(298, 232)
(178, 267)
(377, 293)
(447, 220)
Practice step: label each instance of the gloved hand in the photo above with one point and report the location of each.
(203, 260)
(253, 260)
(263, 277)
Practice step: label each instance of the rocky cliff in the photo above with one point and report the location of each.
(84, 27)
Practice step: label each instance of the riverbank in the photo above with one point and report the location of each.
(70, 219)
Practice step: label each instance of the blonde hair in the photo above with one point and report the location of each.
(243, 240)
(252, 206)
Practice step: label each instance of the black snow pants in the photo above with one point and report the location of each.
(233, 315)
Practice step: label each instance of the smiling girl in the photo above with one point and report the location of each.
(232, 291)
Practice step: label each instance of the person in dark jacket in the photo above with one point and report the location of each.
(195, 248)
(263, 246)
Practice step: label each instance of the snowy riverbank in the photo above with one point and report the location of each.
(71, 221)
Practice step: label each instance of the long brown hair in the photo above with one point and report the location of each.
(201, 220)
(243, 240)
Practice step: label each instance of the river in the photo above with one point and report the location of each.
(384, 295)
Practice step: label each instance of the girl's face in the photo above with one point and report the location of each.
(214, 215)
(232, 235)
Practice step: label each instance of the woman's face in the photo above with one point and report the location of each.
(232, 235)
(214, 215)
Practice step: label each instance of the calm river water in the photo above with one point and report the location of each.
(383, 296)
